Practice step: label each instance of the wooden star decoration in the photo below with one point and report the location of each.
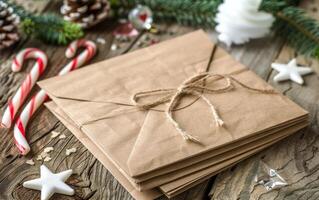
(290, 71)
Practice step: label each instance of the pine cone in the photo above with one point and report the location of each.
(86, 13)
(8, 26)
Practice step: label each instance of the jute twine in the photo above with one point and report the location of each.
(196, 86)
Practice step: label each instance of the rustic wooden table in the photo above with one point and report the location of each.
(297, 155)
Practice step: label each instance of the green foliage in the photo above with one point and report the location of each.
(187, 12)
(28, 26)
(292, 23)
(273, 6)
(49, 28)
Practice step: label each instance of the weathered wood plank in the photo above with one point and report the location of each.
(296, 157)
(91, 179)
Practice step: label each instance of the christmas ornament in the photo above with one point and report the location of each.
(8, 26)
(50, 183)
(290, 71)
(141, 17)
(299, 29)
(39, 98)
(17, 100)
(240, 20)
(86, 13)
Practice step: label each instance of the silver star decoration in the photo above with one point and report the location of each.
(50, 183)
(290, 71)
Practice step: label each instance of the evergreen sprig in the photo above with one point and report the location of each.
(292, 23)
(49, 28)
(187, 12)
(300, 30)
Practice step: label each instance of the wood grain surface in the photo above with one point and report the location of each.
(295, 158)
(91, 180)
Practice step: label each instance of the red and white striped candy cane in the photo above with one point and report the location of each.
(19, 128)
(18, 99)
(86, 55)
(19, 131)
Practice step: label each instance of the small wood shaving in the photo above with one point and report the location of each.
(48, 149)
(55, 134)
(47, 159)
(44, 154)
(39, 157)
(70, 151)
(113, 47)
(100, 40)
(30, 162)
(62, 136)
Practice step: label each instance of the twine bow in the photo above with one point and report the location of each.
(195, 85)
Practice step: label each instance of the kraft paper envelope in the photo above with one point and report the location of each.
(140, 142)
(204, 164)
(213, 157)
(217, 160)
(145, 195)
(177, 186)
(150, 194)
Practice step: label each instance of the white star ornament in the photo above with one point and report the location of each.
(50, 183)
(290, 71)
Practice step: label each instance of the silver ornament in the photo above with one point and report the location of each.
(141, 17)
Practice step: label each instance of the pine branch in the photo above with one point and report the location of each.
(187, 12)
(199, 13)
(293, 24)
(49, 28)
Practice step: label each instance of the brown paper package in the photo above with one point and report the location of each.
(144, 144)
(145, 195)
(170, 189)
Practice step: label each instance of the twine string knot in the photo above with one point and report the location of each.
(195, 85)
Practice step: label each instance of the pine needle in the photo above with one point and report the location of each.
(292, 23)
(200, 13)
(295, 26)
(51, 29)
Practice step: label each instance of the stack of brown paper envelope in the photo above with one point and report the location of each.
(142, 148)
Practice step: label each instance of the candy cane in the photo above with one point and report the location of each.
(18, 99)
(19, 132)
(84, 57)
(19, 128)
